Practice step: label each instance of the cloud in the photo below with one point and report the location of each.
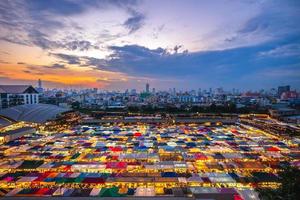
(70, 59)
(41, 40)
(4, 62)
(83, 61)
(55, 66)
(71, 32)
(210, 68)
(43, 69)
(33, 72)
(176, 48)
(282, 51)
(135, 22)
(81, 45)
(15, 39)
(40, 23)
(276, 20)
(204, 67)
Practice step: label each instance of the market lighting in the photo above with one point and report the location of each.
(149, 159)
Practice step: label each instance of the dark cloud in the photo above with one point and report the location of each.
(81, 45)
(70, 59)
(43, 69)
(32, 23)
(33, 72)
(229, 67)
(135, 22)
(21, 63)
(277, 20)
(15, 39)
(55, 66)
(176, 48)
(83, 61)
(136, 51)
(41, 40)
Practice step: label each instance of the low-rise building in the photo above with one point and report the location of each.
(12, 95)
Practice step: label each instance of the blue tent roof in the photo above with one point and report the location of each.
(169, 174)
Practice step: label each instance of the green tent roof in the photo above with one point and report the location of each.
(110, 192)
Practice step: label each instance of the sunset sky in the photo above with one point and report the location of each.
(119, 44)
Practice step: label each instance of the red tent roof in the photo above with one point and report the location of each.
(116, 165)
(237, 197)
(137, 134)
(115, 149)
(42, 191)
(234, 131)
(273, 149)
(200, 156)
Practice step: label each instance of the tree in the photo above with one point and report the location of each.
(289, 189)
(75, 105)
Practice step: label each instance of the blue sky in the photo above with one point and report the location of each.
(119, 44)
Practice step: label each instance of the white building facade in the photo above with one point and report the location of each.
(13, 95)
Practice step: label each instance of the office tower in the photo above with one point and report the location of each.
(147, 88)
(40, 83)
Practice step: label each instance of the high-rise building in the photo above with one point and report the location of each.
(282, 89)
(40, 86)
(147, 88)
(40, 83)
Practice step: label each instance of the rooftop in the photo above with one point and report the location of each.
(15, 89)
(36, 113)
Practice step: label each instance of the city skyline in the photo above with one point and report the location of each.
(116, 45)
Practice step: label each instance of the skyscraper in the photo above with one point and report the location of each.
(40, 86)
(147, 88)
(40, 83)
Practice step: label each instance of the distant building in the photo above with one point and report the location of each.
(147, 88)
(12, 95)
(282, 89)
(40, 86)
(289, 95)
(251, 94)
(153, 90)
(282, 112)
(133, 92)
(40, 83)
